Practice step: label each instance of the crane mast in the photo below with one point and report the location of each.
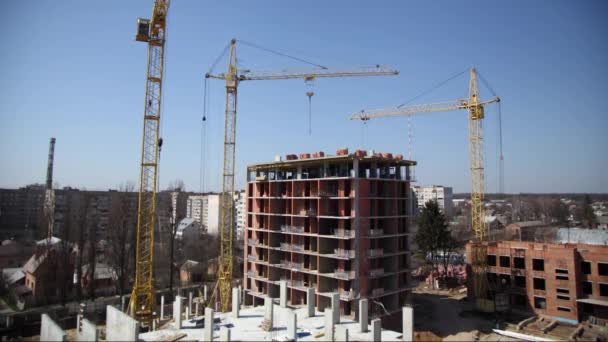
(153, 32)
(475, 108)
(232, 78)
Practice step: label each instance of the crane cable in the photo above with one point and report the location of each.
(203, 139)
(280, 53)
(501, 181)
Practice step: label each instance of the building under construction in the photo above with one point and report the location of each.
(338, 224)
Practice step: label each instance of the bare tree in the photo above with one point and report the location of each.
(120, 233)
(177, 185)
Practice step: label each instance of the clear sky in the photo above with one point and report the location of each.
(71, 69)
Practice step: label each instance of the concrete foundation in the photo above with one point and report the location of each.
(120, 326)
(87, 331)
(283, 294)
(408, 323)
(329, 325)
(50, 331)
(177, 312)
(341, 334)
(292, 326)
(377, 330)
(335, 307)
(363, 324)
(208, 334)
(235, 302)
(162, 307)
(224, 334)
(310, 302)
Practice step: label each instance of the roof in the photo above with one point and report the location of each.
(12, 275)
(525, 224)
(53, 240)
(321, 160)
(32, 265)
(102, 271)
(191, 265)
(21, 290)
(582, 235)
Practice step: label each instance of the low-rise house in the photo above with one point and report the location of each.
(191, 272)
(104, 276)
(529, 231)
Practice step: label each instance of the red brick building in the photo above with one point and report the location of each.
(568, 282)
(334, 223)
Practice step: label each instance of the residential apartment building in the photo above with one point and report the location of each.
(21, 212)
(439, 193)
(568, 282)
(205, 209)
(339, 224)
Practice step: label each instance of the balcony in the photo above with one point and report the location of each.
(345, 295)
(292, 229)
(344, 233)
(308, 212)
(252, 257)
(252, 242)
(344, 275)
(376, 232)
(328, 193)
(375, 253)
(344, 253)
(375, 273)
(292, 265)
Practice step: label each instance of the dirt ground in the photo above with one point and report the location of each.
(447, 316)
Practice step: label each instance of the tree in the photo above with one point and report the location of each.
(177, 185)
(587, 215)
(559, 212)
(121, 228)
(433, 237)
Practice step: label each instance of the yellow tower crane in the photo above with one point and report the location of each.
(153, 32)
(233, 77)
(476, 151)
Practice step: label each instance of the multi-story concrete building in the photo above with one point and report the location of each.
(568, 282)
(339, 224)
(439, 193)
(21, 212)
(240, 213)
(205, 209)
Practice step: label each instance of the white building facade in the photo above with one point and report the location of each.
(439, 193)
(205, 209)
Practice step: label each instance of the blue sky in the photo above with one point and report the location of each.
(71, 69)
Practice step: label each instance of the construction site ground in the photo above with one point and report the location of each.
(442, 315)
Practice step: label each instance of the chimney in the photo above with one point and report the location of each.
(49, 170)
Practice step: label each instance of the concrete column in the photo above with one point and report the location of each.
(235, 302)
(363, 324)
(377, 330)
(190, 302)
(196, 308)
(187, 316)
(408, 323)
(268, 306)
(208, 334)
(82, 308)
(9, 321)
(283, 294)
(329, 325)
(162, 307)
(50, 331)
(224, 334)
(341, 334)
(205, 292)
(240, 295)
(119, 326)
(292, 325)
(335, 307)
(310, 301)
(122, 303)
(177, 312)
(88, 331)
